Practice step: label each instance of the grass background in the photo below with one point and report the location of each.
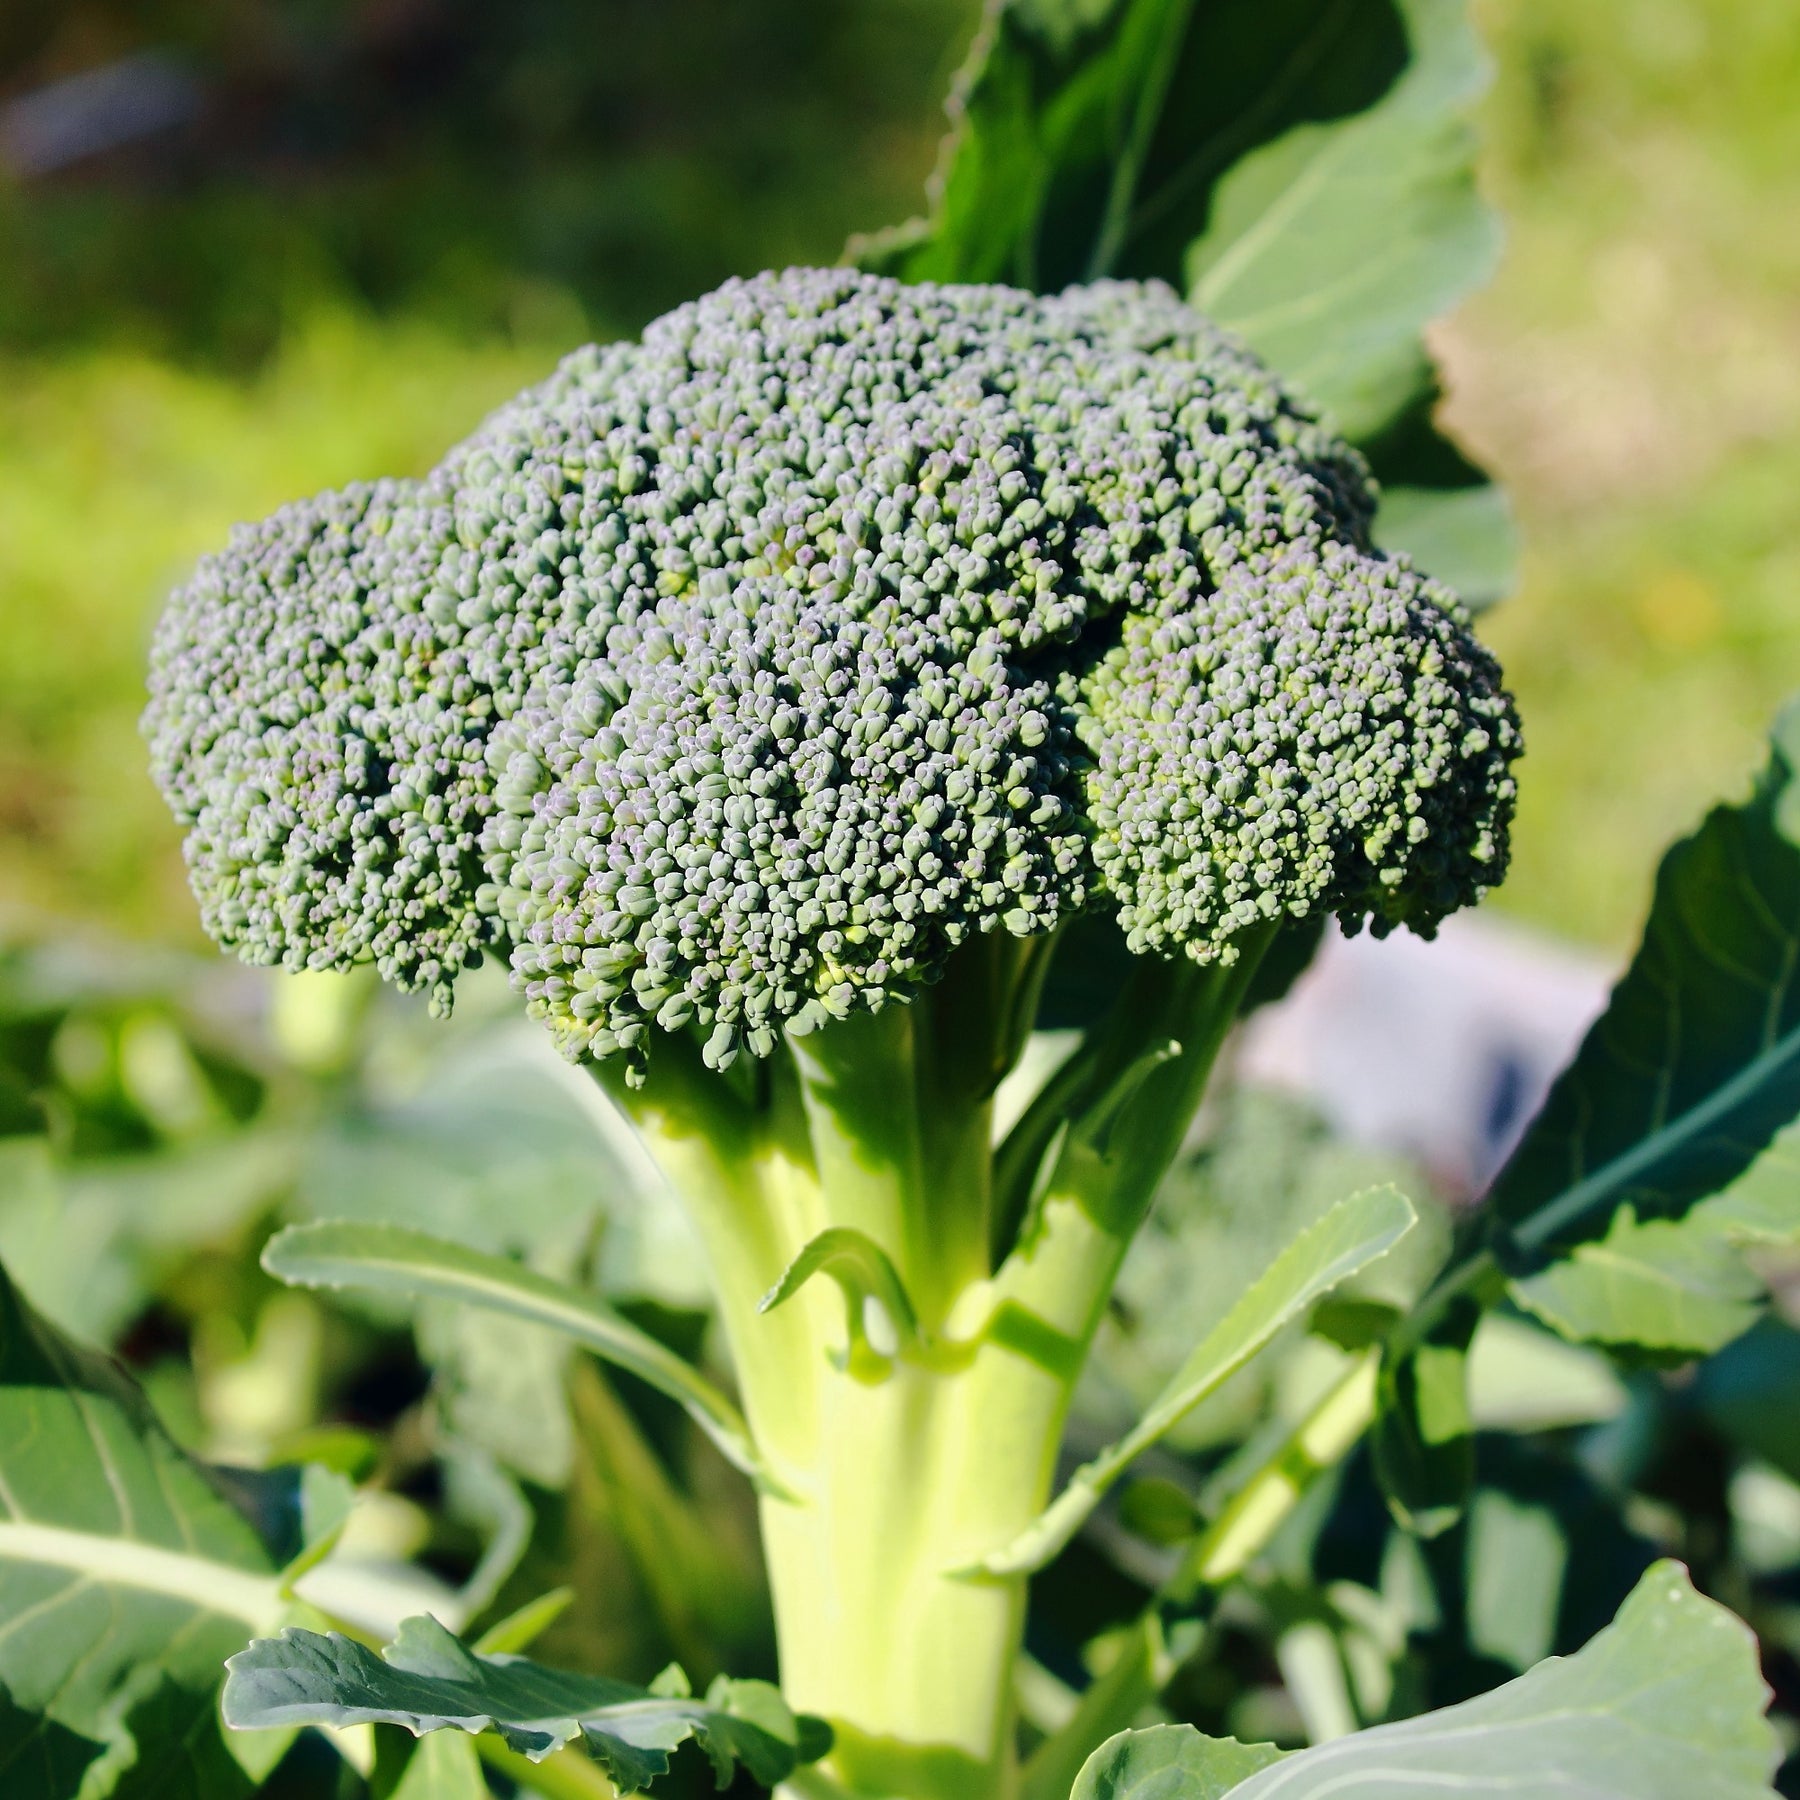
(183, 351)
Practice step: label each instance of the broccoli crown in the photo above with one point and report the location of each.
(737, 675)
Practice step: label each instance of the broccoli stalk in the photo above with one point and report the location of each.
(790, 697)
(909, 1450)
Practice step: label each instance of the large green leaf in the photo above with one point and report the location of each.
(1666, 1285)
(1349, 1237)
(426, 1680)
(127, 1572)
(1695, 1064)
(395, 1259)
(1303, 168)
(1284, 258)
(1665, 1704)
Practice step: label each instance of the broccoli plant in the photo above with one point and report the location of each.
(801, 698)
(892, 721)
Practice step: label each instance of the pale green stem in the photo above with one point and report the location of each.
(937, 1467)
(858, 1084)
(743, 1176)
(1143, 1086)
(899, 1107)
(1248, 1521)
(901, 1486)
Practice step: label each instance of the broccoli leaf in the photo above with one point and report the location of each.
(1763, 1205)
(395, 1259)
(867, 1277)
(426, 1680)
(1269, 1168)
(1463, 534)
(443, 1766)
(1750, 1394)
(180, 1750)
(1304, 172)
(136, 1217)
(1666, 1703)
(1695, 1064)
(1254, 150)
(1283, 257)
(1663, 1285)
(1349, 1237)
(498, 1145)
(1604, 1217)
(1423, 1445)
(128, 1571)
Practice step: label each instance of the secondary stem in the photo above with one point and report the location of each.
(1142, 1664)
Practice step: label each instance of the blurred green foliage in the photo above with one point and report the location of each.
(460, 161)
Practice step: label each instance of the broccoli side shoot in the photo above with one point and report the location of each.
(731, 679)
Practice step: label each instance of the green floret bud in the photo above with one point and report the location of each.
(308, 721)
(1321, 735)
(735, 677)
(328, 707)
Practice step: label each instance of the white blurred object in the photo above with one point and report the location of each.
(1440, 1050)
(100, 109)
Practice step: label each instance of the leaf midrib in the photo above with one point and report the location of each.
(253, 1600)
(338, 1253)
(1595, 1189)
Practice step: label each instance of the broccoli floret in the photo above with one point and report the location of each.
(307, 723)
(735, 677)
(1320, 735)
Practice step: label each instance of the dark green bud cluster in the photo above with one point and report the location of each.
(734, 677)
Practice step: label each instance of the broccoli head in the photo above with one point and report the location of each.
(733, 677)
